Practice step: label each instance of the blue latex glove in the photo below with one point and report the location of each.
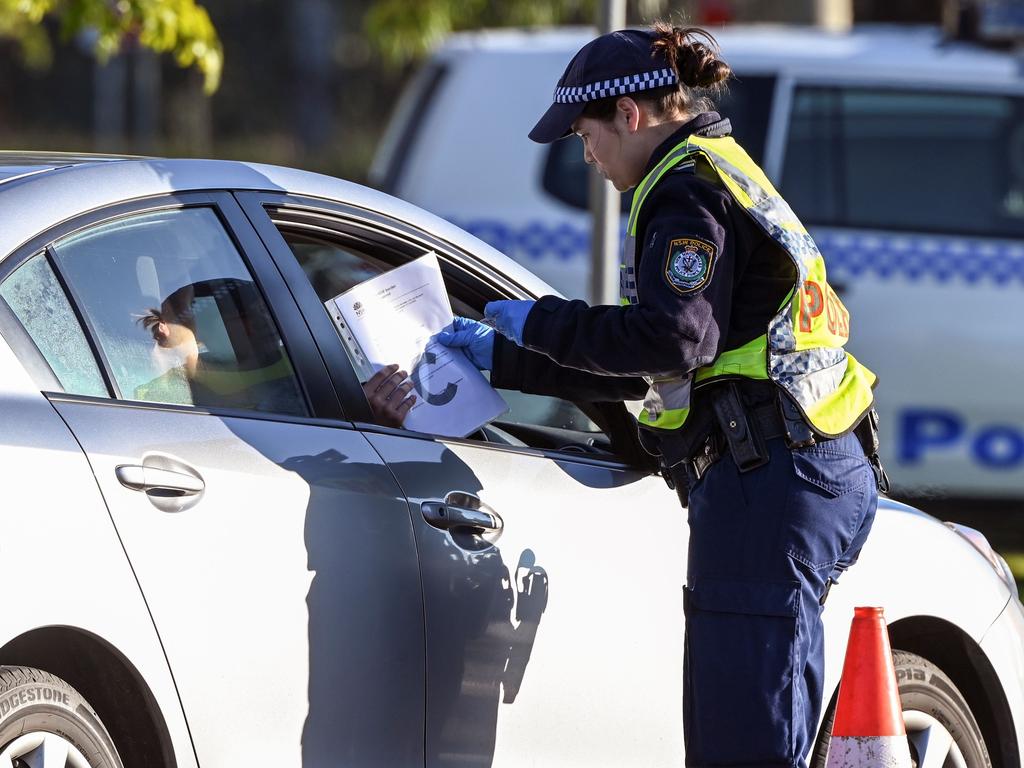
(473, 338)
(508, 318)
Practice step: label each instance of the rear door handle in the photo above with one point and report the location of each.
(461, 510)
(169, 482)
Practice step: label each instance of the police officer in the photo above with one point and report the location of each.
(752, 404)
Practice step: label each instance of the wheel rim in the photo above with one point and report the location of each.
(931, 741)
(39, 749)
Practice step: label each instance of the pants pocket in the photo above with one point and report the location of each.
(740, 672)
(826, 505)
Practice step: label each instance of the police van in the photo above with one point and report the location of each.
(902, 152)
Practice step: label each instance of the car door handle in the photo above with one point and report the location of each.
(462, 510)
(141, 478)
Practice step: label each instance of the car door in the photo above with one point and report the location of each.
(554, 636)
(275, 551)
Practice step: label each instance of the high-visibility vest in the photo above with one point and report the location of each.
(802, 347)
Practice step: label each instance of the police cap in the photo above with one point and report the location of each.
(615, 64)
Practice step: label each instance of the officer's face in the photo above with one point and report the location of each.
(614, 146)
(610, 149)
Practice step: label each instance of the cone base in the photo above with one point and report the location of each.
(868, 752)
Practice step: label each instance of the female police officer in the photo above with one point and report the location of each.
(751, 400)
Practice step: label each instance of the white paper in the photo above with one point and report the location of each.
(392, 318)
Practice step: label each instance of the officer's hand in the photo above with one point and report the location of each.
(388, 394)
(508, 318)
(473, 338)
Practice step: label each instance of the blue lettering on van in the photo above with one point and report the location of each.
(922, 431)
(881, 255)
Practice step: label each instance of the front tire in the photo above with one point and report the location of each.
(940, 724)
(45, 723)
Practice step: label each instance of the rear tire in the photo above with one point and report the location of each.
(936, 715)
(45, 723)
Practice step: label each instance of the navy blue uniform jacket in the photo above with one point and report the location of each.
(599, 353)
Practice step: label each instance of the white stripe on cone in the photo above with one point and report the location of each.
(868, 752)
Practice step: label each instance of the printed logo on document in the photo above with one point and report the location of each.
(358, 308)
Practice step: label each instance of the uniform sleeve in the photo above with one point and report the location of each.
(520, 369)
(684, 283)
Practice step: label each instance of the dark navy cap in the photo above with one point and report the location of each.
(615, 64)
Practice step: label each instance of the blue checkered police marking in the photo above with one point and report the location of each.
(536, 240)
(882, 256)
(615, 87)
(915, 257)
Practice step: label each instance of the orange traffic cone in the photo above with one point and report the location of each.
(868, 731)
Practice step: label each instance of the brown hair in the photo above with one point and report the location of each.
(176, 308)
(693, 53)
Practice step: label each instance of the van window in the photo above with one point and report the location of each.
(565, 175)
(747, 104)
(907, 160)
(398, 142)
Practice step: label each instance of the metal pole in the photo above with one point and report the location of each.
(834, 15)
(604, 199)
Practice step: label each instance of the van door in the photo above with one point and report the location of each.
(916, 199)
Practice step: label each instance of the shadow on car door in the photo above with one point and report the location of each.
(552, 596)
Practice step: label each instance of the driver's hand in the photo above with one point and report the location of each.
(388, 394)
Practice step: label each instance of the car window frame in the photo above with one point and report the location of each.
(409, 241)
(318, 394)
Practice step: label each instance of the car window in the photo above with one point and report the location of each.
(333, 268)
(545, 411)
(176, 314)
(40, 304)
(899, 159)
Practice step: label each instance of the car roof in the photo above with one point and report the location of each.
(15, 164)
(55, 188)
(878, 51)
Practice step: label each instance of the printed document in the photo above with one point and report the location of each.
(392, 318)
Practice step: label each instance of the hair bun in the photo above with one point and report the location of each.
(693, 53)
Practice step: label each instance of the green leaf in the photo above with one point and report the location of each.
(181, 28)
(401, 31)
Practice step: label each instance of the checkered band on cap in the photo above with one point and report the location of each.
(616, 86)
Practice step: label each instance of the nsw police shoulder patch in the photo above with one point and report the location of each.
(689, 264)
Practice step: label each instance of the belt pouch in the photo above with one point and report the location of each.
(798, 432)
(746, 444)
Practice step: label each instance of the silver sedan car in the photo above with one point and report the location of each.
(213, 556)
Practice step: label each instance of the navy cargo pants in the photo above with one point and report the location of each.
(763, 546)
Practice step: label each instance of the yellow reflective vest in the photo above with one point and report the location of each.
(802, 347)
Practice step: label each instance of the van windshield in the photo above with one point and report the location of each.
(916, 161)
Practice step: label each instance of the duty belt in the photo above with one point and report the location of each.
(765, 419)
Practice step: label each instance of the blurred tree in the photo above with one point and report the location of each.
(403, 31)
(179, 27)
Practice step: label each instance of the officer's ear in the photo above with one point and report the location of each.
(627, 114)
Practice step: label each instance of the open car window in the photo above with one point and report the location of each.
(335, 262)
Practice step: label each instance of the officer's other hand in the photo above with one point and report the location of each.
(472, 337)
(508, 318)
(388, 394)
